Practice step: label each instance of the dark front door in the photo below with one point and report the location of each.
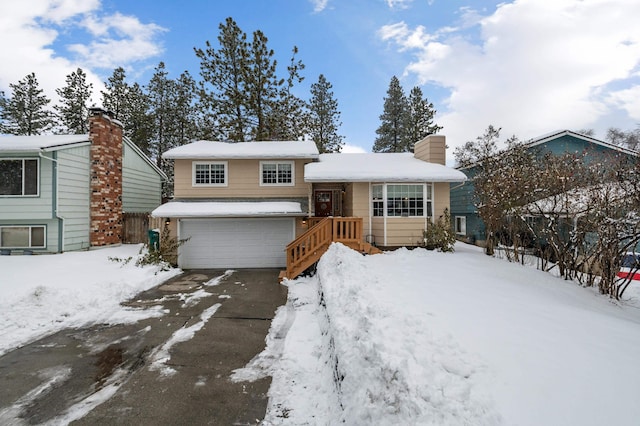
(324, 205)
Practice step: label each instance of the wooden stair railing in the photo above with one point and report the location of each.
(307, 249)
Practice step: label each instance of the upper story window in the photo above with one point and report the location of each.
(19, 177)
(210, 173)
(276, 173)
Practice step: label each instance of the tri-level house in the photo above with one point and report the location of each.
(69, 192)
(277, 204)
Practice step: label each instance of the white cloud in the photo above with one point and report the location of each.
(119, 40)
(399, 4)
(319, 5)
(30, 28)
(537, 66)
(352, 149)
(629, 100)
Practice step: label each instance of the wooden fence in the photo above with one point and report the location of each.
(135, 227)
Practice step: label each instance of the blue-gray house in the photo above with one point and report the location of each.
(464, 215)
(69, 192)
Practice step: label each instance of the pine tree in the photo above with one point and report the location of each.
(222, 91)
(25, 112)
(419, 118)
(324, 117)
(3, 107)
(74, 108)
(130, 105)
(138, 123)
(287, 118)
(261, 84)
(392, 130)
(114, 99)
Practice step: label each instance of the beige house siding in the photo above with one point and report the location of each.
(404, 231)
(431, 149)
(243, 182)
(400, 231)
(440, 198)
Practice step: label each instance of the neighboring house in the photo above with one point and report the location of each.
(69, 192)
(464, 214)
(241, 204)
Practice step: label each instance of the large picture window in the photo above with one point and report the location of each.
(19, 177)
(210, 173)
(22, 236)
(401, 200)
(405, 200)
(276, 173)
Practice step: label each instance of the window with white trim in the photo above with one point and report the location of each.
(22, 236)
(210, 173)
(19, 177)
(461, 225)
(377, 200)
(405, 200)
(276, 173)
(401, 200)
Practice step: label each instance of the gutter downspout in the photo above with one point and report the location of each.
(55, 197)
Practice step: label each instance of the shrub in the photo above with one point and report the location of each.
(440, 235)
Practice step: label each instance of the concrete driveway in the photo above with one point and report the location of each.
(169, 370)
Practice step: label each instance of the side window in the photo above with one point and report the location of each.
(461, 225)
(19, 177)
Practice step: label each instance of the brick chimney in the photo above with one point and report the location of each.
(105, 134)
(432, 149)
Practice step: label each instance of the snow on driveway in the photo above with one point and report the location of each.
(42, 294)
(419, 337)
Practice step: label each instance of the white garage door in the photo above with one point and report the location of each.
(235, 243)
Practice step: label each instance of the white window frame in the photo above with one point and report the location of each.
(30, 227)
(460, 223)
(37, 160)
(278, 163)
(427, 207)
(194, 165)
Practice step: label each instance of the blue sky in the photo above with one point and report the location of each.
(528, 66)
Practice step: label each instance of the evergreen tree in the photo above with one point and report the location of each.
(392, 130)
(114, 99)
(420, 118)
(74, 108)
(324, 117)
(130, 105)
(185, 111)
(3, 107)
(25, 112)
(286, 120)
(161, 94)
(261, 84)
(222, 90)
(138, 123)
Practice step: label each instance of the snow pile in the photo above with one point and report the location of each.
(420, 337)
(390, 369)
(45, 293)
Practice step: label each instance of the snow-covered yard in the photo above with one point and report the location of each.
(406, 337)
(43, 294)
(419, 337)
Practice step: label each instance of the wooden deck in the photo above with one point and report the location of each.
(307, 249)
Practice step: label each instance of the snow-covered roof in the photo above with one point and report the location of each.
(39, 142)
(559, 133)
(378, 167)
(227, 209)
(240, 150)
